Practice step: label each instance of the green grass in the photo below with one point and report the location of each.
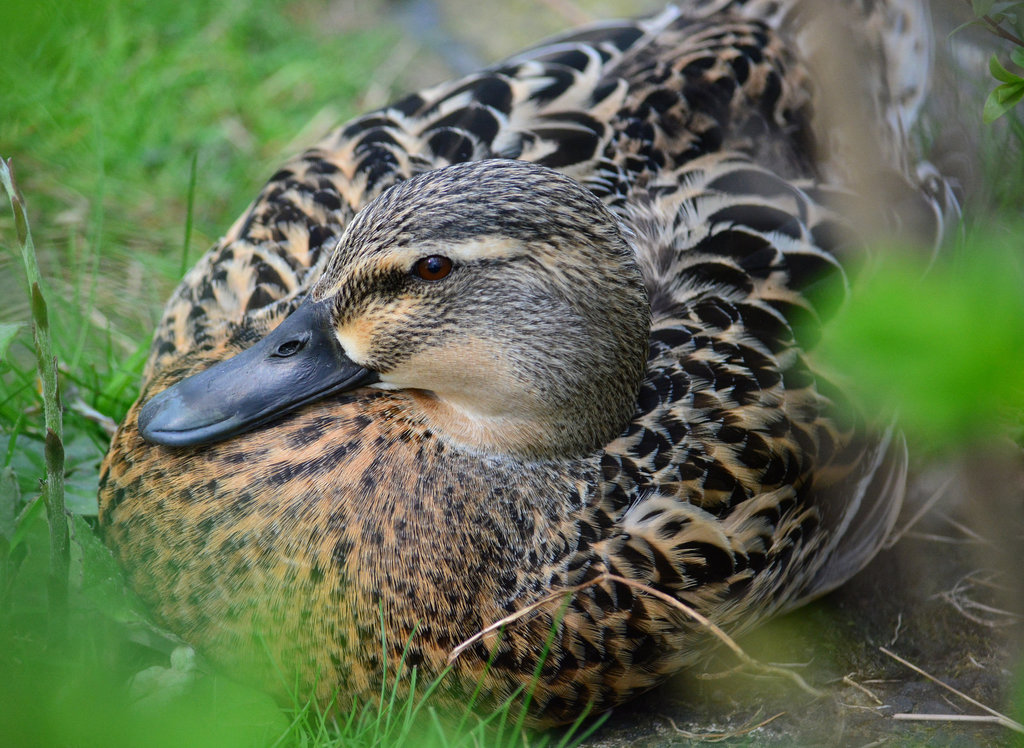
(110, 683)
(106, 104)
(139, 131)
(114, 112)
(111, 111)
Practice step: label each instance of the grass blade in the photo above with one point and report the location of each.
(46, 364)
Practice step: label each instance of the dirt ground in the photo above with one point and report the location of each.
(946, 598)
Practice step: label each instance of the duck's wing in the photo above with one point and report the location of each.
(748, 481)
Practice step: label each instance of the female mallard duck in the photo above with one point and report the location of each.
(545, 323)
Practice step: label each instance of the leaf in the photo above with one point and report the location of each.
(97, 580)
(993, 109)
(999, 72)
(82, 459)
(1001, 100)
(964, 25)
(1017, 56)
(25, 520)
(1012, 93)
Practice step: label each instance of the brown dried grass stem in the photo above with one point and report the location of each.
(718, 737)
(863, 689)
(995, 26)
(724, 638)
(949, 718)
(921, 511)
(998, 717)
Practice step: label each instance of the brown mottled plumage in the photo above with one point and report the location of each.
(612, 374)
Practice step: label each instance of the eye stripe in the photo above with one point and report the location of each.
(432, 268)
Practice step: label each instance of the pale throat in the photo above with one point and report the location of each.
(488, 434)
(473, 402)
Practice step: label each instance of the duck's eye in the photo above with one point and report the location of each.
(432, 268)
(290, 347)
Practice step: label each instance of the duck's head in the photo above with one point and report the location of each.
(501, 295)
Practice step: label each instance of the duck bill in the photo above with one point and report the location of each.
(300, 362)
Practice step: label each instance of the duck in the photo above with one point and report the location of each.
(536, 345)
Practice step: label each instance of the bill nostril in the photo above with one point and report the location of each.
(289, 348)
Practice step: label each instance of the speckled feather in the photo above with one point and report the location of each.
(744, 482)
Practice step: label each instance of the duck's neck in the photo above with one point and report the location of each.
(438, 527)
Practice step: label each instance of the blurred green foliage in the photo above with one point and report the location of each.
(105, 105)
(941, 347)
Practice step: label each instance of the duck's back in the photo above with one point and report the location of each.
(613, 106)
